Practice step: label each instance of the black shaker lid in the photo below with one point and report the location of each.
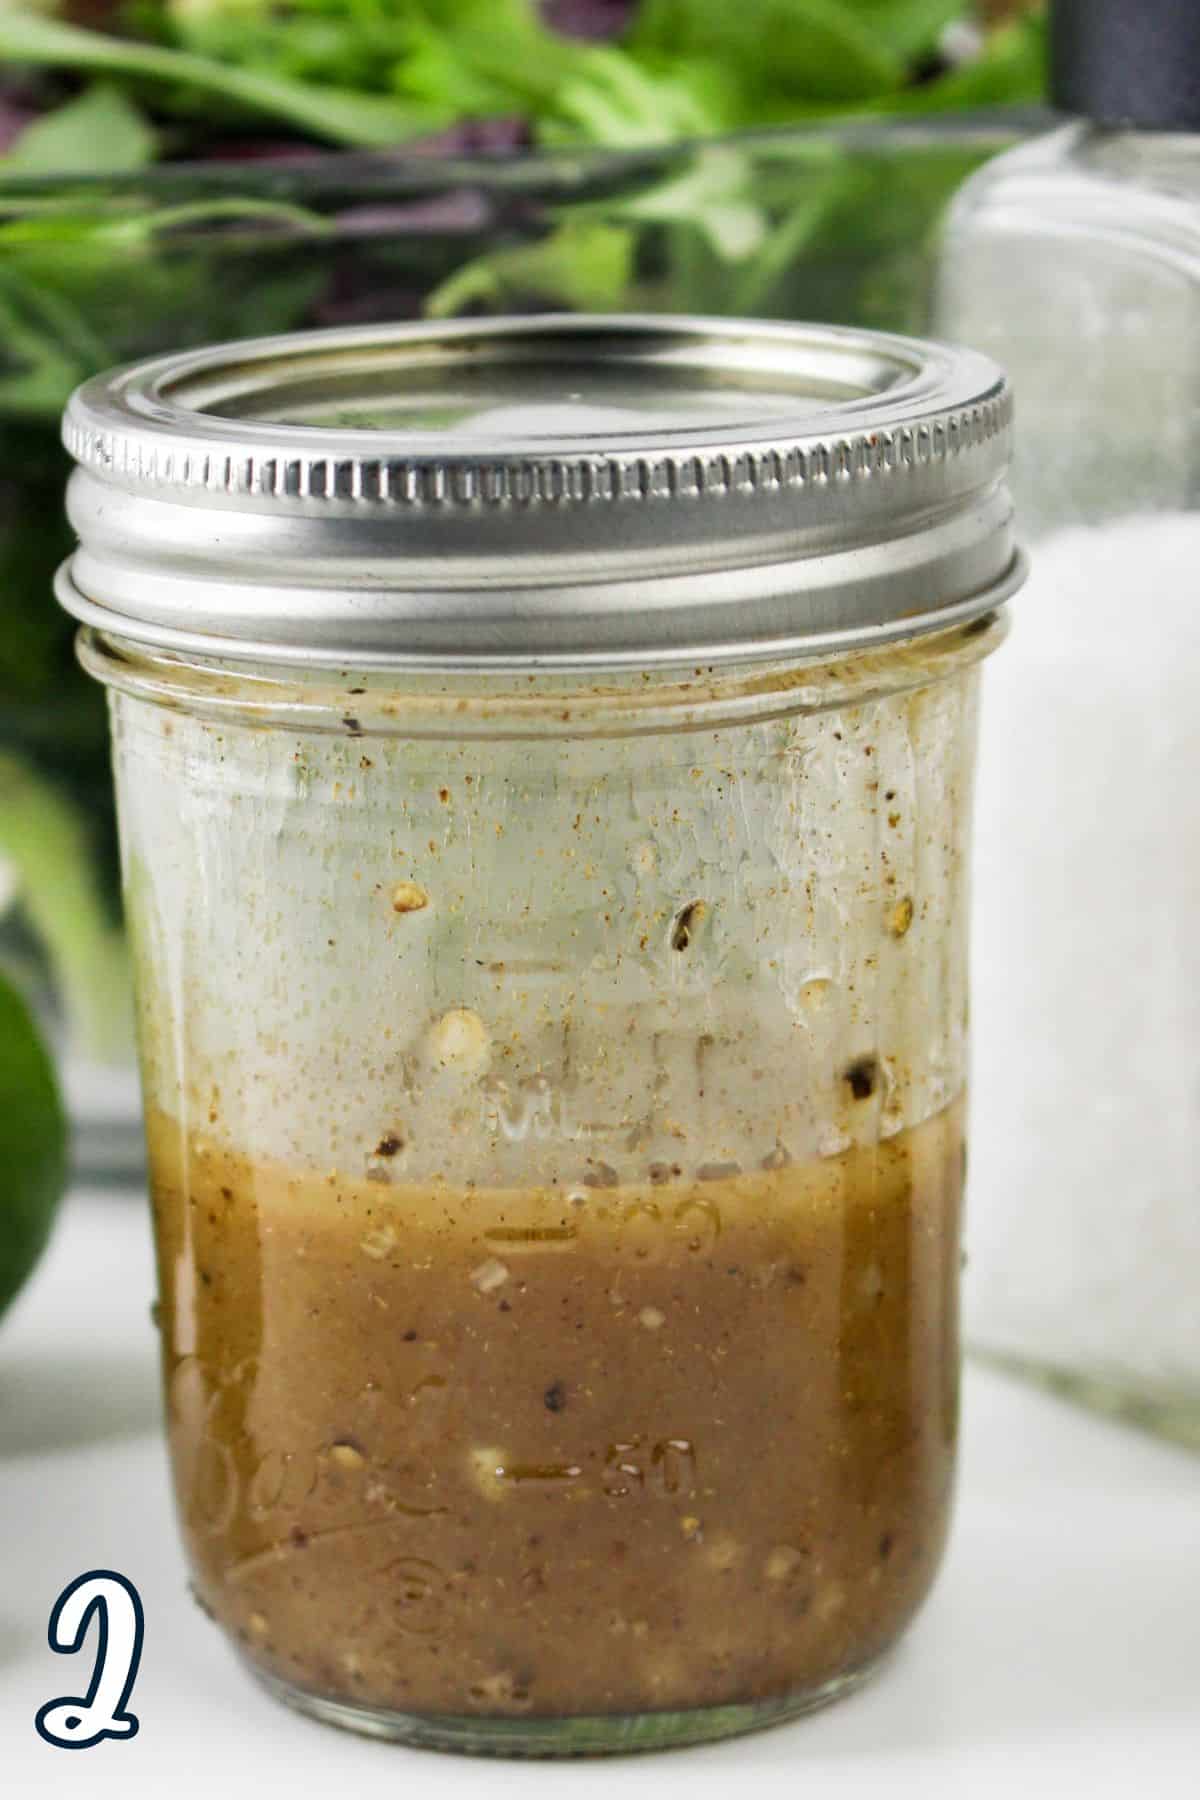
(1127, 62)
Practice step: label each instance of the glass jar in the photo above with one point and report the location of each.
(1076, 262)
(544, 757)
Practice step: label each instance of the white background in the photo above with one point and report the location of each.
(1060, 1654)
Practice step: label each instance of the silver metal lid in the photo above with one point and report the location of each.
(536, 492)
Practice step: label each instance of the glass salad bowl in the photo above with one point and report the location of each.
(837, 224)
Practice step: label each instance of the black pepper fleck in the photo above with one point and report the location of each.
(686, 922)
(555, 1397)
(862, 1076)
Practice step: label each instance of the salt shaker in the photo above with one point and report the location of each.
(1075, 261)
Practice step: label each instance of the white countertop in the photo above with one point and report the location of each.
(1060, 1653)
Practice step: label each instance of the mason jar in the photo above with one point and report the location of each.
(544, 754)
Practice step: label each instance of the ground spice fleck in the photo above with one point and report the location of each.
(901, 917)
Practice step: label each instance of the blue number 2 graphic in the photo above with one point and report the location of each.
(74, 1724)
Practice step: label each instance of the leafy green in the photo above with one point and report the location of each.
(368, 73)
(44, 844)
(911, 28)
(33, 1144)
(485, 56)
(786, 53)
(613, 101)
(65, 280)
(47, 341)
(330, 114)
(31, 643)
(352, 46)
(100, 132)
(1012, 73)
(582, 265)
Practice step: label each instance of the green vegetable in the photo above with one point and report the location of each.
(33, 1144)
(656, 191)
(44, 845)
(1013, 71)
(579, 265)
(788, 55)
(100, 132)
(369, 73)
(348, 118)
(65, 284)
(910, 28)
(469, 58)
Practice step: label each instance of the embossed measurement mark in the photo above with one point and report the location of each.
(531, 1237)
(518, 1473)
(649, 1228)
(667, 1467)
(646, 1229)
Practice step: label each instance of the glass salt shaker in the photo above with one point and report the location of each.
(1076, 261)
(544, 752)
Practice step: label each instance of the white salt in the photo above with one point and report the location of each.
(1084, 1216)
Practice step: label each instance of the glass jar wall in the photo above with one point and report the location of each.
(557, 1150)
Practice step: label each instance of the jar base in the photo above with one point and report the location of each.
(602, 1734)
